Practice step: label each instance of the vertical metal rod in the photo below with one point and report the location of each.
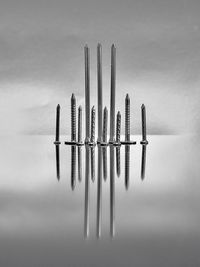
(58, 123)
(105, 124)
(112, 193)
(58, 162)
(127, 166)
(118, 131)
(99, 90)
(127, 118)
(87, 187)
(79, 124)
(87, 93)
(92, 140)
(143, 164)
(73, 167)
(112, 94)
(99, 192)
(73, 118)
(143, 111)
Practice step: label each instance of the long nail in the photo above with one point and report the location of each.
(99, 90)
(87, 93)
(112, 95)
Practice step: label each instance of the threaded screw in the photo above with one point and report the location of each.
(127, 118)
(105, 124)
(73, 118)
(127, 166)
(93, 125)
(80, 124)
(118, 127)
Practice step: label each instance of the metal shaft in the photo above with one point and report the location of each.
(93, 124)
(127, 118)
(99, 90)
(105, 124)
(87, 93)
(58, 122)
(118, 127)
(80, 124)
(112, 94)
(143, 111)
(73, 118)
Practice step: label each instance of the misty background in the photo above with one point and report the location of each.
(42, 62)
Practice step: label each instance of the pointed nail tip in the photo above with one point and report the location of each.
(143, 106)
(58, 106)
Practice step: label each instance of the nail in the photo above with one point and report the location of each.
(144, 134)
(57, 141)
(87, 93)
(99, 90)
(112, 95)
(73, 118)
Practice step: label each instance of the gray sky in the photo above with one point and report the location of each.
(41, 61)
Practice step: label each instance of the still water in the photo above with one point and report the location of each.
(81, 220)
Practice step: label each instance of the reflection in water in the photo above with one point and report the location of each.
(87, 183)
(101, 170)
(118, 168)
(112, 192)
(104, 152)
(80, 163)
(73, 167)
(58, 161)
(92, 163)
(127, 165)
(99, 192)
(143, 163)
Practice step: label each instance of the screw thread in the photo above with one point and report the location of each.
(143, 111)
(127, 166)
(105, 124)
(118, 127)
(127, 118)
(93, 124)
(73, 118)
(80, 124)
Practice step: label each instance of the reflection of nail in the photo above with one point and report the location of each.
(99, 90)
(57, 141)
(58, 162)
(143, 164)
(99, 192)
(112, 193)
(87, 93)
(144, 134)
(73, 167)
(79, 163)
(127, 166)
(112, 95)
(87, 185)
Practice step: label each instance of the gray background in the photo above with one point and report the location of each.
(41, 60)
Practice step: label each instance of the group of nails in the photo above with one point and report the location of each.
(90, 130)
(91, 142)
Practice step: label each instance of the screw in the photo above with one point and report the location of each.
(143, 164)
(92, 142)
(73, 118)
(118, 127)
(99, 91)
(73, 167)
(57, 141)
(104, 151)
(112, 95)
(127, 165)
(127, 118)
(87, 93)
(144, 134)
(80, 142)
